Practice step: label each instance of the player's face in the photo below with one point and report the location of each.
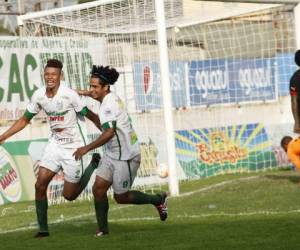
(98, 91)
(52, 77)
(285, 144)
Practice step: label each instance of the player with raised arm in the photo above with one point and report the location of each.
(61, 105)
(122, 156)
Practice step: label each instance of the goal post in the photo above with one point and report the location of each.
(205, 82)
(297, 24)
(167, 98)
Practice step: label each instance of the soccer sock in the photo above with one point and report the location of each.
(101, 208)
(41, 213)
(138, 197)
(84, 180)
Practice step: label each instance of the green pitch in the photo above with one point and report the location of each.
(244, 211)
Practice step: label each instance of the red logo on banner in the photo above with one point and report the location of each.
(148, 81)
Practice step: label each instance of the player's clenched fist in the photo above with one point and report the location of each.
(79, 153)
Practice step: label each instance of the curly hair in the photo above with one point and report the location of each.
(107, 75)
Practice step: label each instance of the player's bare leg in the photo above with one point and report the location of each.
(44, 177)
(71, 190)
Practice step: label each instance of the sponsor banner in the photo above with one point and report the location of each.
(22, 63)
(209, 82)
(10, 182)
(231, 81)
(252, 80)
(211, 151)
(148, 89)
(16, 175)
(286, 68)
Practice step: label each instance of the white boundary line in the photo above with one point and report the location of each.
(221, 184)
(221, 214)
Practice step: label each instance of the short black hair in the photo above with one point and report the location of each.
(54, 63)
(107, 75)
(286, 139)
(297, 57)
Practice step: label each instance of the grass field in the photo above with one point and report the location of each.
(241, 211)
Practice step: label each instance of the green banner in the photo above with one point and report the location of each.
(22, 63)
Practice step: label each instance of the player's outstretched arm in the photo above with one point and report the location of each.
(15, 128)
(102, 139)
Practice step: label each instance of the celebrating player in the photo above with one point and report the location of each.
(61, 105)
(295, 94)
(122, 157)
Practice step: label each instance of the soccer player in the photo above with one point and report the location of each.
(61, 105)
(295, 94)
(292, 148)
(122, 156)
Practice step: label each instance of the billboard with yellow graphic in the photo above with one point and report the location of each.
(211, 151)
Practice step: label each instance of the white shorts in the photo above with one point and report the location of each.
(55, 158)
(120, 173)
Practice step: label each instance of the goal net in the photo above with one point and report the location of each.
(229, 69)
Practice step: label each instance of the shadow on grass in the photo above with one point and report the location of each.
(292, 178)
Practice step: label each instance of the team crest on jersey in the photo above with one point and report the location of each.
(121, 104)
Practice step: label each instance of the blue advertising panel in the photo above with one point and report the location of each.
(231, 81)
(147, 87)
(148, 92)
(286, 68)
(208, 82)
(252, 80)
(178, 84)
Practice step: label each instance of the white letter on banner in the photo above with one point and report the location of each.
(244, 79)
(211, 80)
(254, 78)
(175, 80)
(201, 79)
(217, 80)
